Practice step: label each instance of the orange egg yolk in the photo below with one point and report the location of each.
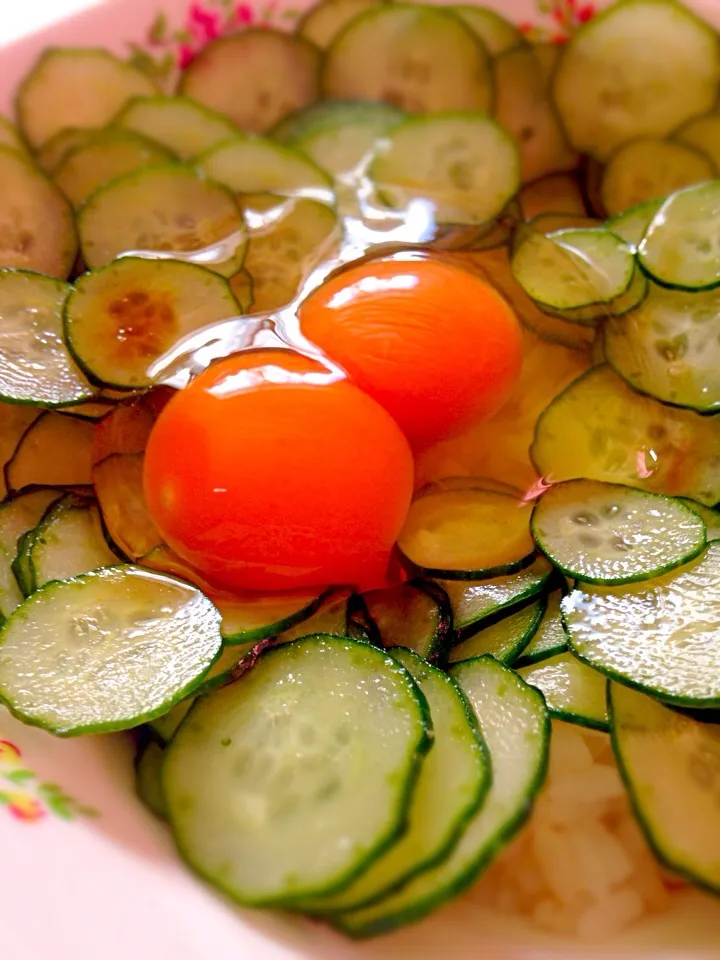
(265, 476)
(434, 344)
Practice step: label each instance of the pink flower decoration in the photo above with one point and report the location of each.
(203, 24)
(526, 27)
(28, 809)
(586, 12)
(186, 55)
(244, 13)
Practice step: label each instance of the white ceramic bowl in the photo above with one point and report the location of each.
(86, 873)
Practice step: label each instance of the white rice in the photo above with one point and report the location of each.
(581, 866)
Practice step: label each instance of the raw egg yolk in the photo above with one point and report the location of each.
(266, 474)
(434, 344)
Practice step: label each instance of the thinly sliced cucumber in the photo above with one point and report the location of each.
(36, 222)
(67, 541)
(17, 516)
(258, 165)
(505, 639)
(324, 21)
(485, 484)
(321, 740)
(473, 602)
(14, 422)
(148, 764)
(467, 534)
(254, 77)
(660, 636)
(106, 651)
(573, 268)
(122, 318)
(497, 34)
(52, 153)
(557, 193)
(628, 301)
(339, 137)
(452, 784)
(164, 213)
(127, 430)
(463, 163)
(631, 225)
(54, 451)
(515, 726)
(10, 137)
(166, 725)
(330, 619)
(549, 639)
(181, 125)
(703, 133)
(107, 155)
(679, 248)
(415, 615)
(600, 429)
(573, 691)
(35, 366)
(281, 256)
(523, 108)
(711, 518)
(93, 410)
(118, 481)
(249, 619)
(241, 284)
(75, 87)
(668, 348)
(423, 60)
(641, 68)
(669, 763)
(649, 169)
(609, 533)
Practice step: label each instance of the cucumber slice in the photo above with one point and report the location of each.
(283, 255)
(669, 763)
(668, 348)
(324, 21)
(557, 193)
(547, 53)
(472, 603)
(66, 542)
(166, 725)
(549, 639)
(464, 163)
(118, 482)
(568, 269)
(330, 619)
(52, 153)
(679, 249)
(465, 534)
(619, 307)
(254, 77)
(600, 429)
(122, 318)
(267, 776)
(711, 518)
(164, 213)
(641, 68)
(703, 133)
(649, 169)
(14, 422)
(249, 619)
(573, 691)
(241, 284)
(37, 231)
(257, 165)
(423, 60)
(608, 533)
(505, 639)
(148, 765)
(103, 157)
(54, 451)
(9, 137)
(453, 782)
(515, 726)
(497, 34)
(75, 87)
(339, 137)
(182, 126)
(415, 615)
(17, 516)
(72, 659)
(523, 108)
(631, 225)
(35, 366)
(658, 636)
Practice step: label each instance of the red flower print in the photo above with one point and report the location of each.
(586, 12)
(203, 24)
(244, 13)
(186, 55)
(26, 808)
